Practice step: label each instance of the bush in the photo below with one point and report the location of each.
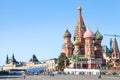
(103, 73)
(114, 73)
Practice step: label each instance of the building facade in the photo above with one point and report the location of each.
(12, 63)
(86, 50)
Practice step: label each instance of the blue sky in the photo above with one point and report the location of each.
(30, 27)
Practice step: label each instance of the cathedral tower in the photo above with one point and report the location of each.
(86, 50)
(98, 47)
(67, 47)
(80, 30)
(89, 48)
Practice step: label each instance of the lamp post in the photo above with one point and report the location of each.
(65, 63)
(76, 62)
(81, 64)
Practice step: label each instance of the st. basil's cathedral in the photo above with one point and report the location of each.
(86, 50)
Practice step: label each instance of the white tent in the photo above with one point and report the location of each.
(82, 71)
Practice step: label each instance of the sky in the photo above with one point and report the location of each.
(30, 27)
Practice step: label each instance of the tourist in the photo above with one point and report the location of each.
(23, 75)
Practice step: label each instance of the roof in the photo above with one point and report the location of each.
(98, 36)
(106, 50)
(76, 42)
(13, 60)
(34, 59)
(67, 34)
(36, 69)
(80, 21)
(115, 45)
(89, 34)
(80, 26)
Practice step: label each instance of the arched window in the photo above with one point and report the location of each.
(113, 55)
(117, 55)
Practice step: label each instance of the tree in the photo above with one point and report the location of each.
(108, 65)
(62, 61)
(117, 63)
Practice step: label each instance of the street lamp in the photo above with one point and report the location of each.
(76, 61)
(76, 64)
(81, 64)
(65, 63)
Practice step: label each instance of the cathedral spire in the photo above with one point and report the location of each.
(34, 59)
(115, 45)
(14, 60)
(80, 19)
(80, 26)
(115, 53)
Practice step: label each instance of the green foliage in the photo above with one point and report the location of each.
(75, 58)
(103, 72)
(62, 59)
(117, 62)
(114, 73)
(108, 65)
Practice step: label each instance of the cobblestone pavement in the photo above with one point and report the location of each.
(66, 77)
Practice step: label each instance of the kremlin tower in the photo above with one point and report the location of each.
(86, 50)
(97, 43)
(115, 53)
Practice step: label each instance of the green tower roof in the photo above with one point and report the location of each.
(76, 42)
(98, 36)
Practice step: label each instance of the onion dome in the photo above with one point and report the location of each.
(89, 34)
(76, 42)
(98, 36)
(67, 34)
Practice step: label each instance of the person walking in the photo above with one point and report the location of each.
(23, 75)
